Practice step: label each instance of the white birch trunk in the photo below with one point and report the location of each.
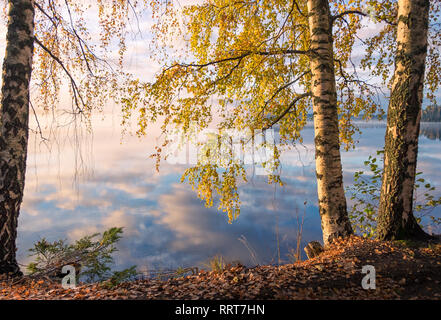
(395, 217)
(331, 197)
(14, 114)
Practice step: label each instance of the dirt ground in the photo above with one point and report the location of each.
(402, 271)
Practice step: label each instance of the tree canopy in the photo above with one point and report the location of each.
(382, 46)
(63, 51)
(244, 65)
(86, 55)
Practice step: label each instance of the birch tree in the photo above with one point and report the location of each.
(405, 54)
(395, 217)
(17, 68)
(64, 53)
(331, 196)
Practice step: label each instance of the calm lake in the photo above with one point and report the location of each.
(80, 184)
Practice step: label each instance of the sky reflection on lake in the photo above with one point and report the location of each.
(165, 224)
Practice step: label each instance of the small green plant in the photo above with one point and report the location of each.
(216, 264)
(121, 276)
(411, 243)
(91, 255)
(366, 195)
(180, 272)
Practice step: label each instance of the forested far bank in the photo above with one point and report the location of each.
(431, 114)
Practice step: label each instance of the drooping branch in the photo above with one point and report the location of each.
(288, 109)
(229, 73)
(78, 98)
(51, 19)
(298, 8)
(344, 13)
(73, 32)
(80, 42)
(354, 78)
(239, 57)
(280, 89)
(39, 129)
(294, 4)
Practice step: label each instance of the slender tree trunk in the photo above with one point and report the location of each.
(14, 114)
(395, 218)
(331, 196)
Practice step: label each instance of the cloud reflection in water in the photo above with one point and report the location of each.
(165, 225)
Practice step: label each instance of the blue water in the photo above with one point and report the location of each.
(71, 193)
